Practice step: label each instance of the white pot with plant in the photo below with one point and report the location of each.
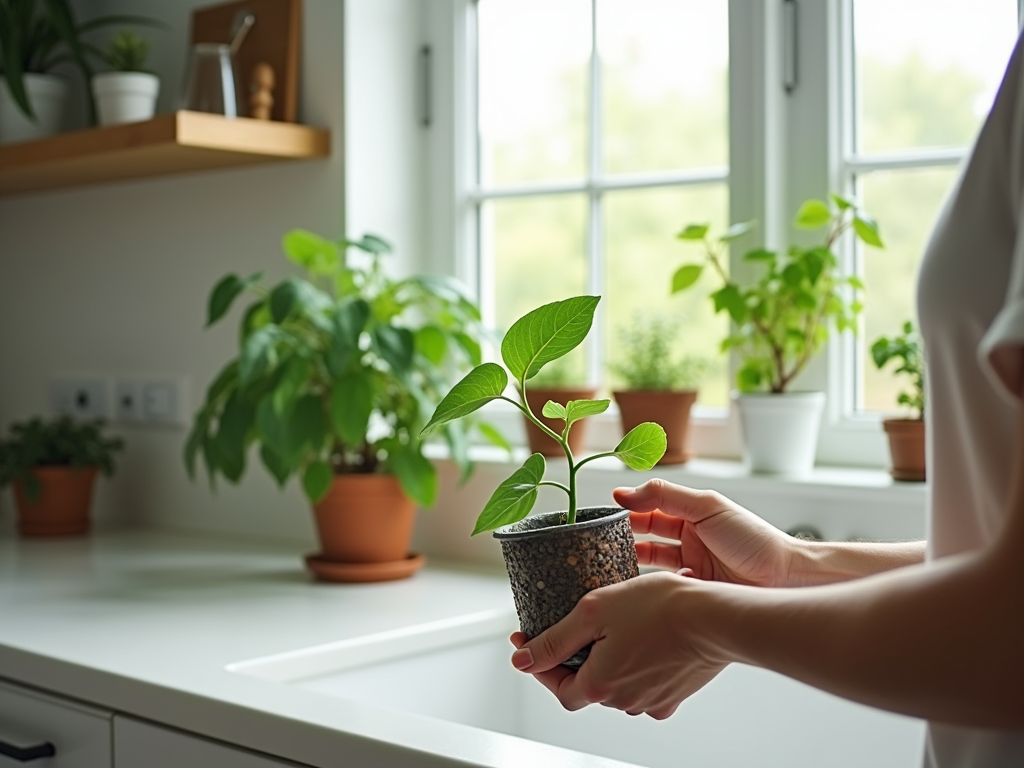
(34, 38)
(128, 94)
(656, 384)
(781, 322)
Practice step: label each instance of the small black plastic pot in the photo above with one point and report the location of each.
(551, 565)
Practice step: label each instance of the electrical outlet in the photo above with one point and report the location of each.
(152, 400)
(128, 401)
(82, 398)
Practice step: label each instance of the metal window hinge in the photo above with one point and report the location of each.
(789, 42)
(425, 94)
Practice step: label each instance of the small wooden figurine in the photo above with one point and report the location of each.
(261, 91)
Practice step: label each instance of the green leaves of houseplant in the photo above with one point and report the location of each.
(906, 349)
(782, 320)
(337, 372)
(542, 336)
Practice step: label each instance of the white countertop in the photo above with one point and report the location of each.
(145, 623)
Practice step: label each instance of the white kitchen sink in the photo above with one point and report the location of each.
(458, 670)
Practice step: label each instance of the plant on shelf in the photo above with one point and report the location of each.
(783, 319)
(35, 37)
(553, 558)
(560, 381)
(906, 435)
(656, 382)
(128, 93)
(335, 377)
(52, 465)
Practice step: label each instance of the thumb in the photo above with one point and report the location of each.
(676, 500)
(555, 644)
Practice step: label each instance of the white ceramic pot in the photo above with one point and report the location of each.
(125, 97)
(47, 94)
(780, 432)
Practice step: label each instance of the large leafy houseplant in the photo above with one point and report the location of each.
(783, 318)
(337, 374)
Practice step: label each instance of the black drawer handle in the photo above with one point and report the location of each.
(27, 754)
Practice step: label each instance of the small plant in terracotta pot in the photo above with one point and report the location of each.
(554, 558)
(657, 384)
(906, 435)
(335, 377)
(559, 382)
(53, 466)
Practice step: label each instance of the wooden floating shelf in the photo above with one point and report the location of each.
(177, 142)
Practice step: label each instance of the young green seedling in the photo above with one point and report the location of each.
(536, 339)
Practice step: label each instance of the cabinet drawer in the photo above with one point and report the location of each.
(81, 736)
(144, 745)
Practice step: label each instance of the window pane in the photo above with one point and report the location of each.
(664, 82)
(642, 253)
(538, 251)
(927, 72)
(906, 204)
(533, 83)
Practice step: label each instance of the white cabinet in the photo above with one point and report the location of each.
(79, 736)
(143, 745)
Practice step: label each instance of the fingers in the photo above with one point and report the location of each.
(676, 500)
(555, 680)
(557, 643)
(660, 555)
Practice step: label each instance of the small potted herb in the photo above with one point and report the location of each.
(559, 382)
(906, 435)
(52, 465)
(335, 376)
(781, 322)
(554, 558)
(657, 384)
(128, 94)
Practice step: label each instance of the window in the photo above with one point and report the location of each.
(594, 129)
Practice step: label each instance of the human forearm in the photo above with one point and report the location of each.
(815, 563)
(908, 641)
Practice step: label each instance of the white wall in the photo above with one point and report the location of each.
(113, 279)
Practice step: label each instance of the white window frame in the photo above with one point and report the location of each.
(783, 149)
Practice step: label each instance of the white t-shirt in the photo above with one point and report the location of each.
(971, 305)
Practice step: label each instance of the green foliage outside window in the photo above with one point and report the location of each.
(650, 360)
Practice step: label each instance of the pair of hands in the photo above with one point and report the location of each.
(652, 648)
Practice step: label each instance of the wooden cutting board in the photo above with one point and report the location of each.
(273, 39)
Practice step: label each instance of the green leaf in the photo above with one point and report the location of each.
(456, 437)
(371, 244)
(514, 498)
(477, 388)
(855, 282)
(491, 434)
(308, 426)
(685, 276)
(553, 410)
(841, 202)
(416, 474)
(283, 299)
(225, 293)
(347, 326)
(805, 300)
(547, 333)
(317, 479)
(432, 343)
(793, 274)
(395, 347)
(760, 254)
(351, 407)
(274, 428)
(258, 354)
(749, 377)
(275, 465)
(471, 346)
(643, 446)
(730, 298)
(315, 254)
(813, 214)
(581, 409)
(297, 372)
(230, 441)
(814, 264)
(736, 231)
(694, 232)
(867, 230)
(195, 441)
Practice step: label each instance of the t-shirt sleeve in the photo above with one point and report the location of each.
(1002, 347)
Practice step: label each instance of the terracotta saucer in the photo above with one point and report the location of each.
(330, 570)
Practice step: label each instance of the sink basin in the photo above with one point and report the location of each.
(458, 670)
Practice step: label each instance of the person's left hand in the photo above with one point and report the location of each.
(649, 652)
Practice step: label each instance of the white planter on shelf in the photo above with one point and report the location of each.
(125, 97)
(780, 431)
(47, 94)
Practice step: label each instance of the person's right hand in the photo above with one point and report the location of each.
(712, 537)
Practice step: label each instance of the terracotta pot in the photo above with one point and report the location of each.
(541, 443)
(365, 519)
(62, 508)
(552, 565)
(906, 446)
(669, 409)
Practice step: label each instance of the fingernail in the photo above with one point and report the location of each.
(522, 659)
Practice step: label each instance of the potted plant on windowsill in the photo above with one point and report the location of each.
(335, 377)
(559, 382)
(128, 94)
(781, 322)
(52, 465)
(657, 385)
(554, 558)
(906, 435)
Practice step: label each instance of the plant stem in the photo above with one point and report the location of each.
(554, 485)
